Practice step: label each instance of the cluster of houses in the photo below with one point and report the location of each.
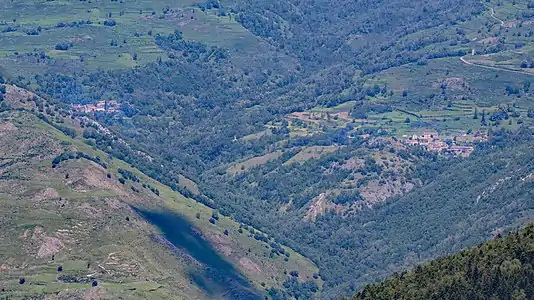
(433, 142)
(108, 106)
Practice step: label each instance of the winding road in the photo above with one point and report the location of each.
(492, 14)
(463, 60)
(493, 68)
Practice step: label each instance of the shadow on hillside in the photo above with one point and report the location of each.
(217, 277)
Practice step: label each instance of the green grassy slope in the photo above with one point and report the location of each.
(498, 269)
(78, 215)
(110, 34)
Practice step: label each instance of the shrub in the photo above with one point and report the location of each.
(62, 46)
(110, 23)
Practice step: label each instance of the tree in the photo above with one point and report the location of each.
(95, 283)
(215, 215)
(62, 46)
(60, 269)
(225, 232)
(407, 120)
(110, 23)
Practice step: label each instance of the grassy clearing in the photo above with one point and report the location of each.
(253, 162)
(312, 152)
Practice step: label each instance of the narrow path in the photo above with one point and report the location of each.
(494, 68)
(492, 14)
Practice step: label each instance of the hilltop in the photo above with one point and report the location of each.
(501, 268)
(81, 224)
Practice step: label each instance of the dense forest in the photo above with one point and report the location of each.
(498, 269)
(366, 33)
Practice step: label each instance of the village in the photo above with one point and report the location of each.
(107, 106)
(456, 145)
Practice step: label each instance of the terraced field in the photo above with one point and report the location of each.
(64, 36)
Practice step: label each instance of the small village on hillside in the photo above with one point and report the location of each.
(457, 145)
(107, 106)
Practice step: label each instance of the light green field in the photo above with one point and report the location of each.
(137, 22)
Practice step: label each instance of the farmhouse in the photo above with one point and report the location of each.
(108, 106)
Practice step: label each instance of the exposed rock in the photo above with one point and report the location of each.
(50, 245)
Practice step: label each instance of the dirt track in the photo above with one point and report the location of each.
(492, 14)
(494, 68)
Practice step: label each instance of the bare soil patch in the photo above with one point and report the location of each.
(249, 266)
(45, 194)
(49, 246)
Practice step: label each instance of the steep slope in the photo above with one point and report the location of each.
(80, 224)
(498, 269)
(461, 203)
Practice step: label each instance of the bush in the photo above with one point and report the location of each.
(110, 23)
(62, 46)
(215, 215)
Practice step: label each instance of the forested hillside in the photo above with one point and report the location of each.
(500, 269)
(368, 34)
(305, 113)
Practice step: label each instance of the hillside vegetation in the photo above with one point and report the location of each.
(79, 223)
(299, 112)
(499, 269)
